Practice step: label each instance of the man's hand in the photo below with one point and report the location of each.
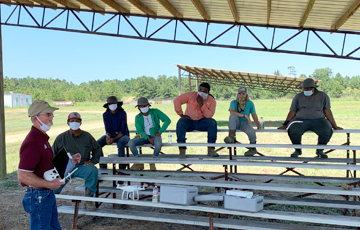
(182, 115)
(338, 128)
(55, 184)
(76, 158)
(151, 140)
(247, 118)
(282, 127)
(157, 134)
(88, 163)
(200, 100)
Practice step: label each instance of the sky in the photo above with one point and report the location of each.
(79, 58)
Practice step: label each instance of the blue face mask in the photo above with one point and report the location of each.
(308, 93)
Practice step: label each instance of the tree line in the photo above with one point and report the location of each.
(163, 87)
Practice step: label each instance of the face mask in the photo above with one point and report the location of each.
(74, 125)
(113, 107)
(43, 127)
(145, 109)
(203, 95)
(308, 93)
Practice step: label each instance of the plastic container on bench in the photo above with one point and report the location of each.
(155, 197)
(262, 123)
(169, 138)
(177, 194)
(254, 204)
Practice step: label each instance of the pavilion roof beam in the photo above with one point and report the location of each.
(67, 3)
(46, 3)
(306, 13)
(201, 9)
(141, 6)
(268, 12)
(116, 6)
(234, 10)
(172, 10)
(91, 5)
(341, 21)
(25, 2)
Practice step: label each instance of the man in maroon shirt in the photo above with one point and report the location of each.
(36, 158)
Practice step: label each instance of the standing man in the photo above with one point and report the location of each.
(240, 110)
(200, 109)
(148, 130)
(116, 128)
(75, 141)
(310, 110)
(35, 159)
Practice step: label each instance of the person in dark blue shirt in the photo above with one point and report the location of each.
(116, 128)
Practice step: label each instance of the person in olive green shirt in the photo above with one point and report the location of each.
(148, 130)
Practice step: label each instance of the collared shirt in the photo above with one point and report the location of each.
(36, 154)
(116, 123)
(84, 143)
(310, 107)
(193, 109)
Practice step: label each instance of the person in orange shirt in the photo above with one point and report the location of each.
(200, 108)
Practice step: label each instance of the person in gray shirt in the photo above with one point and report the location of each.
(75, 141)
(310, 110)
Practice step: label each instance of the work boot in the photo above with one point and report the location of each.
(296, 153)
(231, 138)
(211, 152)
(88, 204)
(321, 153)
(137, 167)
(251, 152)
(182, 154)
(152, 167)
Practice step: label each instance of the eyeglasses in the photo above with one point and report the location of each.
(45, 114)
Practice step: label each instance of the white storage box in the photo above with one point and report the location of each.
(254, 204)
(177, 194)
(239, 193)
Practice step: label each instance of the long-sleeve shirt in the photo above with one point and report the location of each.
(156, 117)
(193, 109)
(84, 143)
(115, 123)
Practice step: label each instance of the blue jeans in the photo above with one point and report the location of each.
(41, 205)
(187, 125)
(121, 142)
(141, 141)
(89, 173)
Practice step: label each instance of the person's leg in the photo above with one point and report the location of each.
(41, 214)
(54, 223)
(183, 125)
(102, 142)
(157, 144)
(121, 142)
(250, 132)
(90, 174)
(209, 125)
(133, 143)
(297, 127)
(323, 129)
(233, 125)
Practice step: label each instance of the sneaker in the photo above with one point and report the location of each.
(321, 154)
(296, 153)
(229, 140)
(137, 167)
(152, 167)
(212, 153)
(182, 154)
(250, 153)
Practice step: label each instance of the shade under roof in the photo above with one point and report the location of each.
(269, 82)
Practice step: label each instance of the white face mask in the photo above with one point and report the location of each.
(203, 95)
(145, 109)
(113, 107)
(308, 93)
(43, 127)
(74, 125)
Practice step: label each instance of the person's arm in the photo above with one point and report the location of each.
(256, 120)
(166, 121)
(106, 124)
(330, 117)
(289, 117)
(31, 179)
(208, 110)
(96, 150)
(180, 100)
(240, 115)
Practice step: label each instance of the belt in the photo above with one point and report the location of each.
(35, 188)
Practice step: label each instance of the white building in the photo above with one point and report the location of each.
(17, 99)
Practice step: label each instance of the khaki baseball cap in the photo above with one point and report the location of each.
(39, 106)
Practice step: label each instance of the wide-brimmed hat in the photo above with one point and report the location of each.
(142, 101)
(308, 82)
(39, 106)
(111, 100)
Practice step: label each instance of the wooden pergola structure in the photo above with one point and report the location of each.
(269, 82)
(309, 20)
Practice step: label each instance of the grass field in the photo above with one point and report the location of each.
(346, 113)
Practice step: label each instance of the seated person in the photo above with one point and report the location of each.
(116, 127)
(240, 110)
(200, 109)
(148, 130)
(77, 141)
(310, 110)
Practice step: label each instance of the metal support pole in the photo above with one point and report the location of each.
(197, 82)
(179, 81)
(2, 118)
(189, 81)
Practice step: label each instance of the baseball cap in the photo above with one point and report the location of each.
(243, 90)
(74, 115)
(39, 106)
